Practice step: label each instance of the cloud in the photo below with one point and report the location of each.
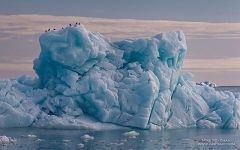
(15, 65)
(20, 25)
(15, 60)
(212, 65)
(8, 67)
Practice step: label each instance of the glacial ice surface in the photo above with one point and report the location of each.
(85, 81)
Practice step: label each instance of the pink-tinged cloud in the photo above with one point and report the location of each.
(18, 25)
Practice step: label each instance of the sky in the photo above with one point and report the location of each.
(212, 29)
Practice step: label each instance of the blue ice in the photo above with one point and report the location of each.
(85, 81)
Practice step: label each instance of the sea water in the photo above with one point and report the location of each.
(43, 139)
(234, 89)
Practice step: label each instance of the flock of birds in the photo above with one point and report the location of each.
(70, 25)
(208, 83)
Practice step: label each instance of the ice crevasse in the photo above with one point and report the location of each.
(86, 81)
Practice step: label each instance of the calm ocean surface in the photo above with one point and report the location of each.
(147, 140)
(179, 139)
(234, 89)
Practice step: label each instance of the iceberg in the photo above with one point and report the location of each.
(85, 81)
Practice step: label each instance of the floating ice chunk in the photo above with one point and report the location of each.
(6, 140)
(39, 140)
(80, 145)
(30, 136)
(131, 134)
(117, 144)
(87, 138)
(123, 140)
(66, 140)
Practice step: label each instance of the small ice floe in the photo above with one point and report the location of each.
(187, 141)
(141, 141)
(131, 134)
(117, 144)
(87, 138)
(66, 141)
(31, 136)
(38, 140)
(123, 140)
(80, 145)
(6, 140)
